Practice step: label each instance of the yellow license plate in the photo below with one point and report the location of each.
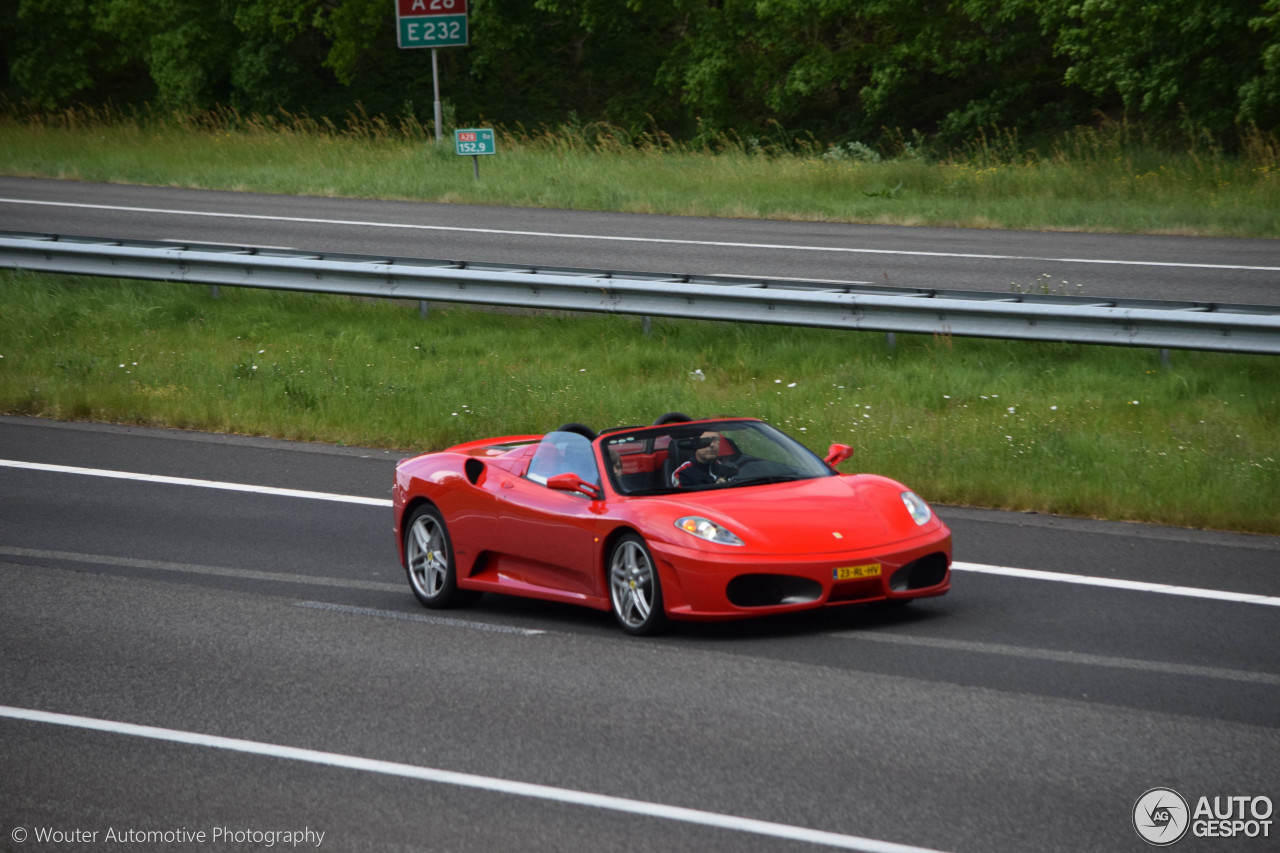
(846, 573)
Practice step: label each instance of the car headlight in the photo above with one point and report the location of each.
(920, 512)
(707, 529)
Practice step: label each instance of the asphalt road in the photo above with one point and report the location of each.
(1094, 265)
(1015, 714)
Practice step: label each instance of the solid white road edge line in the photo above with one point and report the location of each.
(1116, 583)
(187, 481)
(621, 239)
(1027, 574)
(469, 780)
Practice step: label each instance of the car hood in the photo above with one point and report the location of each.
(825, 515)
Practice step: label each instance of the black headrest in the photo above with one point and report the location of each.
(580, 429)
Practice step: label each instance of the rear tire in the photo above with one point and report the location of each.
(429, 563)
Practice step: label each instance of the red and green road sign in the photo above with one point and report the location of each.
(431, 23)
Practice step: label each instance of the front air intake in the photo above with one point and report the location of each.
(927, 571)
(772, 590)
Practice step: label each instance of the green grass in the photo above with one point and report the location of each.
(1087, 431)
(1107, 179)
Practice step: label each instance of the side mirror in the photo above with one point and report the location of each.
(571, 482)
(838, 453)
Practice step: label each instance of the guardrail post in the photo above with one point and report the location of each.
(422, 308)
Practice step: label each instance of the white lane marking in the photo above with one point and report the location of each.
(1246, 675)
(470, 780)
(420, 617)
(196, 569)
(196, 243)
(187, 481)
(1029, 574)
(274, 577)
(1116, 583)
(622, 239)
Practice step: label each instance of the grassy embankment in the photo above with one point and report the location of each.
(1102, 180)
(1077, 430)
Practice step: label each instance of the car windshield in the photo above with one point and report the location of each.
(705, 455)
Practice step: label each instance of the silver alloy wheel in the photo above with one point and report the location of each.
(428, 556)
(633, 587)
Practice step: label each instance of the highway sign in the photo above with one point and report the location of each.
(431, 23)
(474, 141)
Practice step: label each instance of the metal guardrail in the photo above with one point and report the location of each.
(1036, 317)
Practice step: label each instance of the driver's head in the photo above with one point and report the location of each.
(710, 448)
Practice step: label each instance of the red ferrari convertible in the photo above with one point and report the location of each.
(685, 519)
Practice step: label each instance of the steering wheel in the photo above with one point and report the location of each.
(724, 467)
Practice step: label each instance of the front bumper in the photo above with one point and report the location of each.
(702, 585)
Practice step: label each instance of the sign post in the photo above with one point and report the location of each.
(474, 141)
(433, 24)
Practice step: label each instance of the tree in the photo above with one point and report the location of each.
(1176, 60)
(56, 52)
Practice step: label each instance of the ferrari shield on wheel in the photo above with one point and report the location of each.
(634, 590)
(429, 560)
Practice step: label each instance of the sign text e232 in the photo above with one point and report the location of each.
(432, 23)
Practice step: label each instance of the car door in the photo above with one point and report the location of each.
(549, 537)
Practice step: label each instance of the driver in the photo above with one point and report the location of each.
(697, 471)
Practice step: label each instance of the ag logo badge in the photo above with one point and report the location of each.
(1161, 817)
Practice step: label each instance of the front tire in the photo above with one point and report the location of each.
(634, 590)
(429, 562)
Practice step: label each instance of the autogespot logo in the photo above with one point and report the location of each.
(1161, 817)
